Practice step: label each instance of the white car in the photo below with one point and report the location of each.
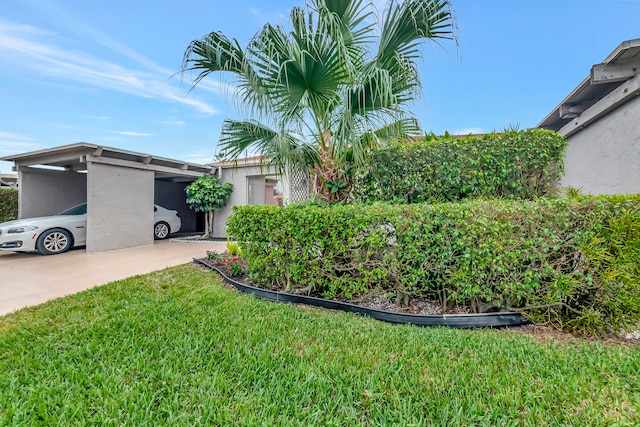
(58, 233)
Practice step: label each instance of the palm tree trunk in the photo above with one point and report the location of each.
(327, 171)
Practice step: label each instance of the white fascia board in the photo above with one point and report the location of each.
(616, 98)
(139, 165)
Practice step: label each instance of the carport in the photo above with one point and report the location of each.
(119, 187)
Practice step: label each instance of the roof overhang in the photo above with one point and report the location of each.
(75, 157)
(239, 163)
(8, 180)
(609, 85)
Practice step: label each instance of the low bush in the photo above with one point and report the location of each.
(515, 164)
(573, 263)
(232, 265)
(8, 204)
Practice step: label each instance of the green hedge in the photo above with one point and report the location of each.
(573, 263)
(515, 164)
(8, 204)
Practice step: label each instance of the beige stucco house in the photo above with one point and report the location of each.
(601, 120)
(255, 184)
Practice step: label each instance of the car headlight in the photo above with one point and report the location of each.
(24, 229)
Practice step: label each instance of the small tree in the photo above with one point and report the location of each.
(207, 195)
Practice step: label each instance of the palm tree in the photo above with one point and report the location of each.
(319, 97)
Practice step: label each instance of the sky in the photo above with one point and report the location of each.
(105, 72)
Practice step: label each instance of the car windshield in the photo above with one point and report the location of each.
(76, 210)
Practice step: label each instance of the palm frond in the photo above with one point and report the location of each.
(358, 136)
(301, 70)
(213, 52)
(277, 149)
(409, 23)
(398, 130)
(349, 24)
(375, 91)
(217, 53)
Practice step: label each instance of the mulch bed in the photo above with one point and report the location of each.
(426, 306)
(416, 305)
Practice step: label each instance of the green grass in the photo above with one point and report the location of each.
(176, 347)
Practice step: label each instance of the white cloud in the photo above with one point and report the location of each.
(468, 131)
(63, 126)
(14, 136)
(39, 51)
(273, 17)
(201, 157)
(131, 133)
(12, 143)
(171, 122)
(110, 138)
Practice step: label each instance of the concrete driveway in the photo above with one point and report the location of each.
(30, 279)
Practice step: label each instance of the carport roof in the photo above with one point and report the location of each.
(76, 156)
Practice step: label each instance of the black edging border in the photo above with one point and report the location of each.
(465, 321)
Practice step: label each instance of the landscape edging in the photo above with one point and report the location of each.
(481, 320)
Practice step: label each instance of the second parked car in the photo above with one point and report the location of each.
(58, 233)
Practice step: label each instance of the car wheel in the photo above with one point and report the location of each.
(161, 230)
(54, 241)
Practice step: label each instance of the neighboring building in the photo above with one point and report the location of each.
(601, 120)
(254, 184)
(8, 180)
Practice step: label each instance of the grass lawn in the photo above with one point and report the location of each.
(176, 347)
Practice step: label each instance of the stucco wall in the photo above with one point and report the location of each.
(239, 177)
(604, 158)
(45, 192)
(120, 207)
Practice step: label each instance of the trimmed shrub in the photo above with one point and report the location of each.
(515, 165)
(8, 204)
(572, 263)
